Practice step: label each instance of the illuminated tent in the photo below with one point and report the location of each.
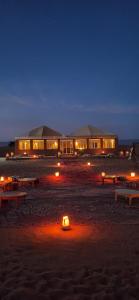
(43, 131)
(90, 131)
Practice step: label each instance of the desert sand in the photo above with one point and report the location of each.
(97, 259)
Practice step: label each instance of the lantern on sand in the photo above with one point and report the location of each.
(57, 174)
(1, 178)
(103, 174)
(65, 223)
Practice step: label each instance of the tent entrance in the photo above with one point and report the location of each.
(66, 147)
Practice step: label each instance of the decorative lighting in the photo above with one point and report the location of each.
(133, 174)
(1, 178)
(89, 164)
(65, 223)
(58, 164)
(57, 174)
(25, 153)
(103, 174)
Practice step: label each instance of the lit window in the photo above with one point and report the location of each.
(94, 144)
(108, 143)
(38, 144)
(52, 144)
(24, 145)
(81, 144)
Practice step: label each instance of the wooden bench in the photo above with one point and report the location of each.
(28, 181)
(129, 194)
(110, 177)
(8, 196)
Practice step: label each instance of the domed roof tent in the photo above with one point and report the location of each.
(43, 131)
(90, 131)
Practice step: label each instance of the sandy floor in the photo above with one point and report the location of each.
(97, 259)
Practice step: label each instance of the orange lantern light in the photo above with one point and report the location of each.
(58, 164)
(1, 178)
(57, 174)
(25, 153)
(65, 223)
(103, 174)
(89, 164)
(133, 174)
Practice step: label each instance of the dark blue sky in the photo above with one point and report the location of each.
(67, 63)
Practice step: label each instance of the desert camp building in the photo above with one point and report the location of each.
(46, 141)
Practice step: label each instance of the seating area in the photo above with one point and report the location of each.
(9, 188)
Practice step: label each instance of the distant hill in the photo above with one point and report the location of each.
(128, 141)
(4, 144)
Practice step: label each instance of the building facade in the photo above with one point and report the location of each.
(46, 141)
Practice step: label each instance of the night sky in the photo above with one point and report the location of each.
(68, 63)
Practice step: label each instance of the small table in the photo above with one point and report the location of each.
(111, 177)
(12, 196)
(26, 180)
(130, 194)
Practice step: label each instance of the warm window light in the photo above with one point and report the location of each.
(58, 164)
(1, 178)
(103, 174)
(89, 164)
(57, 174)
(65, 223)
(133, 174)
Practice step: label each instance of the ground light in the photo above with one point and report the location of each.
(57, 174)
(1, 178)
(132, 174)
(65, 223)
(103, 174)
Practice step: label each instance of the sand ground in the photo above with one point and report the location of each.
(97, 259)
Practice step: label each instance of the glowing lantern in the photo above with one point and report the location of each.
(103, 174)
(25, 153)
(133, 174)
(12, 154)
(57, 174)
(1, 178)
(89, 164)
(7, 155)
(65, 223)
(58, 164)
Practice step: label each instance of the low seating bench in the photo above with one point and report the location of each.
(111, 177)
(28, 181)
(12, 196)
(130, 194)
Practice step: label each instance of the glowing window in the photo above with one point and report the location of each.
(94, 144)
(38, 144)
(24, 145)
(81, 144)
(108, 143)
(52, 144)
